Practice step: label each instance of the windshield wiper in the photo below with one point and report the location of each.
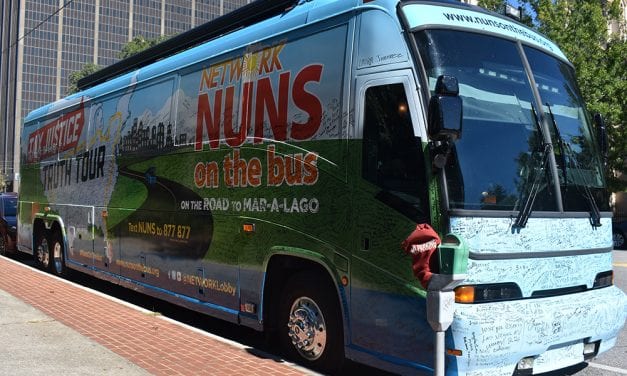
(560, 142)
(525, 212)
(584, 189)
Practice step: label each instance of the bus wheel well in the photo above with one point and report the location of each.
(56, 229)
(41, 246)
(48, 246)
(280, 269)
(38, 227)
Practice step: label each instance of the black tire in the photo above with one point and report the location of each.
(42, 251)
(57, 254)
(619, 240)
(310, 317)
(3, 245)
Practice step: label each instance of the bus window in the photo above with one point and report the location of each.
(579, 166)
(392, 154)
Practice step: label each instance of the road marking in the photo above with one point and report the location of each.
(620, 264)
(608, 368)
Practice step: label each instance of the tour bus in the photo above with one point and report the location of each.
(266, 168)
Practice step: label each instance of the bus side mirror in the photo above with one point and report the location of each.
(445, 110)
(602, 137)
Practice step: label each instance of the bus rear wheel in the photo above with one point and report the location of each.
(57, 254)
(310, 323)
(42, 250)
(3, 246)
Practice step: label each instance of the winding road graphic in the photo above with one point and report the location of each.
(159, 225)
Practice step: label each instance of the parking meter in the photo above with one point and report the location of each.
(453, 257)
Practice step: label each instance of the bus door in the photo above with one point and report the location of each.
(390, 198)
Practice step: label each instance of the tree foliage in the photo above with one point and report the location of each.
(580, 28)
(74, 77)
(138, 44)
(493, 5)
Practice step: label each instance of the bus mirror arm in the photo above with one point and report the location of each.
(440, 154)
(445, 118)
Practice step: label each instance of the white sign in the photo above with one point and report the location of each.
(429, 16)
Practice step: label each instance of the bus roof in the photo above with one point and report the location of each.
(242, 17)
(229, 40)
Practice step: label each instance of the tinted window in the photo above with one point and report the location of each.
(392, 154)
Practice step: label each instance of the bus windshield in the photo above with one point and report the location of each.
(502, 152)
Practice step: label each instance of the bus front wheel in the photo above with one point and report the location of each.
(310, 327)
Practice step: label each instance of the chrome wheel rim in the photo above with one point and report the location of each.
(307, 328)
(619, 240)
(57, 257)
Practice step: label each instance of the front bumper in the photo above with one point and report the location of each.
(494, 337)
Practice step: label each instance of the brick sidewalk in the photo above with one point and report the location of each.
(158, 345)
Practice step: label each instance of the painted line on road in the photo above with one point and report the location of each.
(608, 368)
(620, 264)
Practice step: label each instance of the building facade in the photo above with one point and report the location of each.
(619, 27)
(94, 31)
(44, 41)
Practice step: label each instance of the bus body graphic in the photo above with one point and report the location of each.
(269, 175)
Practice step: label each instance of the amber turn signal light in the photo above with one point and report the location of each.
(465, 294)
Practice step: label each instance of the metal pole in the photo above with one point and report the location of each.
(17, 118)
(59, 50)
(438, 354)
(96, 31)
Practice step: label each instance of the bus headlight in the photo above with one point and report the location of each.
(604, 279)
(590, 349)
(487, 293)
(525, 364)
